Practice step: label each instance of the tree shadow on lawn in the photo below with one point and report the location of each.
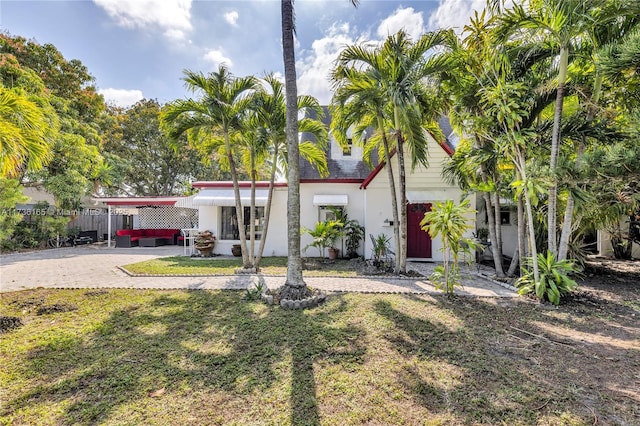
(477, 367)
(192, 343)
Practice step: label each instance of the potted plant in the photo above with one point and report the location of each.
(325, 234)
(204, 243)
(354, 233)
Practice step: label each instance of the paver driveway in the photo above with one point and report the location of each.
(95, 266)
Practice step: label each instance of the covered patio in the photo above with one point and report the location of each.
(154, 213)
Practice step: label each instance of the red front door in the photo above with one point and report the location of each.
(418, 241)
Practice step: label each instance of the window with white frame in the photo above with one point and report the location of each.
(329, 212)
(229, 229)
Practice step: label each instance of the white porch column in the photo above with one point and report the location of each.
(109, 229)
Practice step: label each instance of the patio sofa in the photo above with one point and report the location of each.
(149, 237)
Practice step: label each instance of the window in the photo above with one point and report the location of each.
(329, 212)
(229, 223)
(346, 151)
(505, 216)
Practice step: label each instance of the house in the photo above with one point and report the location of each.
(351, 186)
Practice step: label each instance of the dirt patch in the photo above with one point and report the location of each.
(9, 323)
(55, 308)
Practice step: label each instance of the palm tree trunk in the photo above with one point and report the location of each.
(267, 209)
(555, 147)
(252, 215)
(522, 233)
(527, 201)
(403, 194)
(493, 234)
(392, 188)
(563, 246)
(236, 192)
(295, 287)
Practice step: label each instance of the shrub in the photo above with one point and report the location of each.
(554, 278)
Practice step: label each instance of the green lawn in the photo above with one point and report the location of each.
(181, 265)
(129, 357)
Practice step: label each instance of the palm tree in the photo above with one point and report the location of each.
(218, 114)
(402, 68)
(27, 131)
(565, 25)
(270, 110)
(295, 288)
(359, 102)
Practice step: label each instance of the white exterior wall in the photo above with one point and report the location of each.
(424, 184)
(309, 213)
(509, 232)
(276, 243)
(604, 246)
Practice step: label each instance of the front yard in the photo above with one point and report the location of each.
(211, 357)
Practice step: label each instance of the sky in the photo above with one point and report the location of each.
(139, 49)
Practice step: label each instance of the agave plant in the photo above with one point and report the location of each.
(554, 278)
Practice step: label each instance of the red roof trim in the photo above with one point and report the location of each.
(329, 180)
(229, 184)
(140, 202)
(446, 148)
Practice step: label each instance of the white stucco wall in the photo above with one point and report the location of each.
(309, 212)
(604, 246)
(276, 239)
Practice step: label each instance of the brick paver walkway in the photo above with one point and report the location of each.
(95, 266)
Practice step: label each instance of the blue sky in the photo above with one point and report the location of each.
(139, 48)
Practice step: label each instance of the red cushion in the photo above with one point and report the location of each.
(123, 232)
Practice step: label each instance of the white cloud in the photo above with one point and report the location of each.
(121, 97)
(315, 65)
(455, 13)
(231, 18)
(407, 19)
(173, 17)
(216, 57)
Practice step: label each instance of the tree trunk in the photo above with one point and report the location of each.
(252, 215)
(294, 288)
(555, 147)
(496, 213)
(392, 188)
(515, 260)
(493, 234)
(403, 193)
(236, 193)
(267, 209)
(522, 233)
(563, 246)
(532, 234)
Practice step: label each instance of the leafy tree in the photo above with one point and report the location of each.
(295, 288)
(270, 125)
(10, 196)
(449, 220)
(153, 164)
(27, 128)
(217, 114)
(403, 68)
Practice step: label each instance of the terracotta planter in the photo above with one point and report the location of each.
(206, 252)
(333, 253)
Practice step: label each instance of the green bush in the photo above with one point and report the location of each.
(554, 278)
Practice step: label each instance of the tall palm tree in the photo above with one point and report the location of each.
(359, 102)
(270, 110)
(565, 25)
(217, 114)
(27, 132)
(402, 67)
(295, 288)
